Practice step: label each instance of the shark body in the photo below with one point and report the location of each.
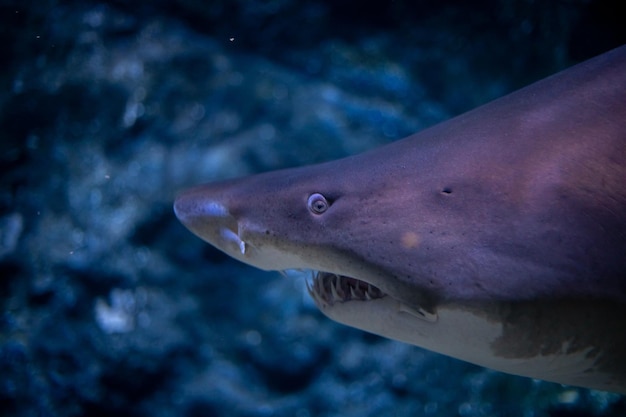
(497, 237)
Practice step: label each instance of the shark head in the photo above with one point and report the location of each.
(313, 219)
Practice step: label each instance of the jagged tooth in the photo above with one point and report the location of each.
(312, 290)
(353, 294)
(333, 290)
(317, 298)
(339, 287)
(368, 292)
(317, 286)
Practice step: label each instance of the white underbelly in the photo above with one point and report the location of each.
(471, 337)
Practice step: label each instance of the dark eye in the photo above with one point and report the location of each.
(317, 203)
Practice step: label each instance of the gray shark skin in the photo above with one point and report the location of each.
(497, 237)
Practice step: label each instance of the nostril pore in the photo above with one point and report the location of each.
(215, 209)
(187, 206)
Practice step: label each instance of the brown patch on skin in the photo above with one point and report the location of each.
(410, 240)
(543, 328)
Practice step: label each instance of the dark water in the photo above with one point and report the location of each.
(110, 307)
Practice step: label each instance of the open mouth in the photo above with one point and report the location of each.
(327, 288)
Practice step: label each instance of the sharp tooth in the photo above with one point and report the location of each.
(353, 294)
(340, 287)
(333, 290)
(367, 292)
(312, 292)
(318, 289)
(316, 297)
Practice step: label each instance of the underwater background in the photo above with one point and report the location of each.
(107, 109)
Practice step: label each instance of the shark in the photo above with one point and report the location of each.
(497, 237)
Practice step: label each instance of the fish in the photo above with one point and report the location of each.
(497, 237)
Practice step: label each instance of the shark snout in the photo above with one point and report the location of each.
(210, 220)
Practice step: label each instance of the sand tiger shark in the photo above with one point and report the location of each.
(497, 237)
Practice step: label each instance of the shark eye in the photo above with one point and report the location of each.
(317, 203)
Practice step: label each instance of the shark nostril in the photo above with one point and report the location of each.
(214, 209)
(190, 205)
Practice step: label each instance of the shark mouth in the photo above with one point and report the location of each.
(327, 288)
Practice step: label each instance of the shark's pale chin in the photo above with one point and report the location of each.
(327, 289)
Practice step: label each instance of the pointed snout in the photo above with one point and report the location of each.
(210, 220)
(191, 206)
